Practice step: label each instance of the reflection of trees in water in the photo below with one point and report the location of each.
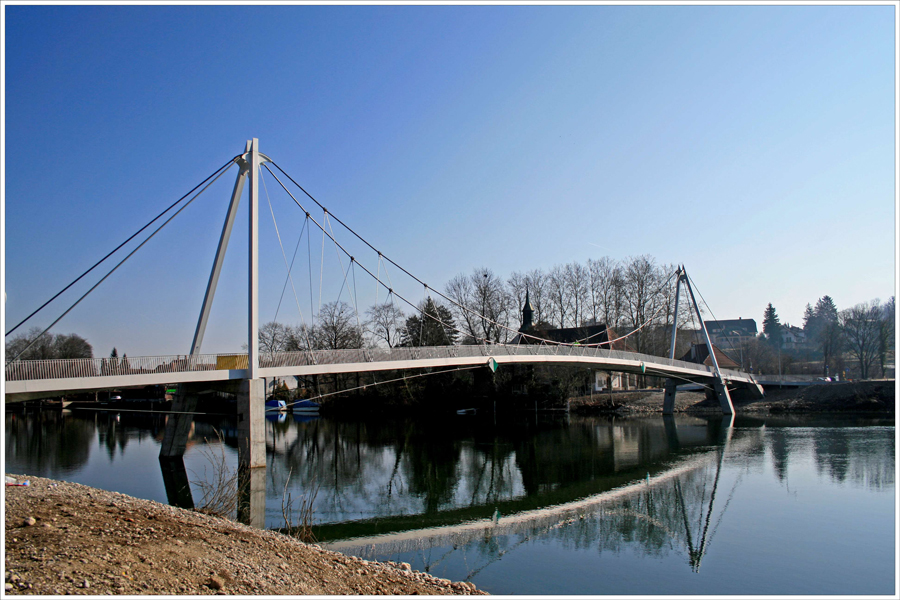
(115, 430)
(865, 458)
(47, 442)
(52, 443)
(426, 467)
(778, 447)
(396, 468)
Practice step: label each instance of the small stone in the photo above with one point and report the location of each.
(86, 584)
(30, 521)
(46, 525)
(406, 567)
(9, 586)
(215, 583)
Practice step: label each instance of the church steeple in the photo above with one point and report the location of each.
(526, 314)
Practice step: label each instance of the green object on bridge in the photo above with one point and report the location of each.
(492, 364)
(643, 368)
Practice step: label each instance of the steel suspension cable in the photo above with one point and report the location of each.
(113, 270)
(437, 292)
(363, 240)
(290, 269)
(362, 266)
(117, 248)
(379, 383)
(283, 255)
(425, 285)
(710, 309)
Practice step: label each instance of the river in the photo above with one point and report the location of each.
(540, 503)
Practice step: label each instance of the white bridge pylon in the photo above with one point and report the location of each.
(719, 385)
(249, 163)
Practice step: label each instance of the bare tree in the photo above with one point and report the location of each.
(71, 346)
(487, 308)
(300, 337)
(576, 278)
(47, 346)
(516, 285)
(861, 326)
(607, 290)
(385, 322)
(536, 281)
(336, 328)
(886, 333)
(559, 301)
(459, 290)
(273, 337)
(642, 297)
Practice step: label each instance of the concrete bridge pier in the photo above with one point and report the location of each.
(721, 392)
(251, 500)
(251, 425)
(669, 398)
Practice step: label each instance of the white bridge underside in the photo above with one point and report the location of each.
(203, 368)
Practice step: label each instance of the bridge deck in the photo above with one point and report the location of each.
(27, 378)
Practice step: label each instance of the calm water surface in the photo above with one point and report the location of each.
(544, 504)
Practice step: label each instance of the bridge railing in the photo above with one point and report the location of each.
(62, 368)
(99, 367)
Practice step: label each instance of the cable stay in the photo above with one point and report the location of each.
(215, 174)
(120, 263)
(382, 256)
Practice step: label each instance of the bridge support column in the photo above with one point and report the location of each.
(251, 508)
(669, 399)
(251, 426)
(724, 397)
(178, 425)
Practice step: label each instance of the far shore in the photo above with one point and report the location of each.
(873, 396)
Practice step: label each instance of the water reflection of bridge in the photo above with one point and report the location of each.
(675, 502)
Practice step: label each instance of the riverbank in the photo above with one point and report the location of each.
(67, 538)
(862, 396)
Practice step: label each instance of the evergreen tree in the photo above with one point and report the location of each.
(433, 326)
(772, 326)
(824, 332)
(809, 320)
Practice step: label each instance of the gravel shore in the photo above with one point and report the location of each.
(66, 538)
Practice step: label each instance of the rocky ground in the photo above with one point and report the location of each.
(67, 538)
(863, 396)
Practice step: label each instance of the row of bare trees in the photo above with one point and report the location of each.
(623, 295)
(483, 307)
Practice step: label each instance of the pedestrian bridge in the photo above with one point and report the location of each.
(42, 378)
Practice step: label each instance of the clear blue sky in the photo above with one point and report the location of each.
(754, 144)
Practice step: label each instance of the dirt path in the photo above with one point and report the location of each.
(67, 538)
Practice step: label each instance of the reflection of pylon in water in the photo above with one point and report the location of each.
(696, 554)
